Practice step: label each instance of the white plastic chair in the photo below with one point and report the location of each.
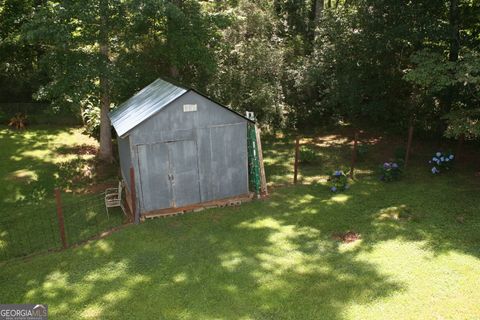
(113, 198)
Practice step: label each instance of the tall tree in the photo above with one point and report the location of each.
(97, 55)
(104, 40)
(80, 43)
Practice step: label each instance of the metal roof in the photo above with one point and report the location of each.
(149, 101)
(143, 105)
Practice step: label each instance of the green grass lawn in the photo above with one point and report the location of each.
(32, 163)
(418, 256)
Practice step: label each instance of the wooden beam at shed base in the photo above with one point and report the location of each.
(234, 201)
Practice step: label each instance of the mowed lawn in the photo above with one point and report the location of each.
(418, 256)
(33, 163)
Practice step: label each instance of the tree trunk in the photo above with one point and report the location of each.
(318, 11)
(451, 94)
(409, 143)
(354, 154)
(319, 5)
(295, 164)
(458, 152)
(454, 29)
(106, 152)
(174, 72)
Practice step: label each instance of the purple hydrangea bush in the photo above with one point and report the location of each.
(390, 171)
(441, 162)
(338, 181)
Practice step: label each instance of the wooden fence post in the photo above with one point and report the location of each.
(61, 223)
(133, 196)
(458, 152)
(409, 144)
(354, 154)
(295, 164)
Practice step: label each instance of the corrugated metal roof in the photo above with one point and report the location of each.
(143, 105)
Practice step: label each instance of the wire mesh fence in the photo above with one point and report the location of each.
(28, 229)
(88, 217)
(37, 228)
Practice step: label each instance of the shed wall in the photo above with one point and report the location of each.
(125, 158)
(220, 139)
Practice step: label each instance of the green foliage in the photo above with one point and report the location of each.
(432, 72)
(463, 122)
(251, 63)
(297, 64)
(91, 119)
(20, 75)
(140, 41)
(307, 155)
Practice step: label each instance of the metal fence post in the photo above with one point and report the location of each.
(61, 223)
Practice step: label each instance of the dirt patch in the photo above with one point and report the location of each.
(23, 175)
(96, 188)
(83, 149)
(347, 237)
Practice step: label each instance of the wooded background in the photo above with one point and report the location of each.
(298, 64)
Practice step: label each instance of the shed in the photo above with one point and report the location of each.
(184, 148)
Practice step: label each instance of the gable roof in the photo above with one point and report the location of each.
(148, 102)
(144, 104)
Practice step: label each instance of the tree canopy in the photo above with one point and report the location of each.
(296, 64)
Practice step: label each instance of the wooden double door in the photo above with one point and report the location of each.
(168, 174)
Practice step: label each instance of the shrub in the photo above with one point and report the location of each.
(441, 162)
(390, 171)
(338, 181)
(307, 155)
(91, 118)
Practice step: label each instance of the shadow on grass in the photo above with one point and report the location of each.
(272, 259)
(33, 163)
(261, 261)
